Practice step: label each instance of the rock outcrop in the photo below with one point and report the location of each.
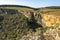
(45, 20)
(8, 11)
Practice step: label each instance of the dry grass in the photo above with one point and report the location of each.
(55, 12)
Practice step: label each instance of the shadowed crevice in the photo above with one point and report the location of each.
(33, 23)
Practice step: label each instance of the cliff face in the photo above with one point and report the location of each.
(43, 19)
(52, 22)
(18, 25)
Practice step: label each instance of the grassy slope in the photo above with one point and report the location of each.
(51, 10)
(17, 7)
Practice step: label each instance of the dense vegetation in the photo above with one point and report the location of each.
(14, 26)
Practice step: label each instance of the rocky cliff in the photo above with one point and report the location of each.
(24, 24)
(43, 19)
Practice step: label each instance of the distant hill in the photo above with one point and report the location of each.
(18, 6)
(49, 7)
(53, 7)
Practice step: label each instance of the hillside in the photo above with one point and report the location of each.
(26, 23)
(53, 7)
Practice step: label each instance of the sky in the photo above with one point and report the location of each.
(31, 3)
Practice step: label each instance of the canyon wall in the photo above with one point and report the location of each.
(43, 19)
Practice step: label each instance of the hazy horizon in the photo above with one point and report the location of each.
(31, 3)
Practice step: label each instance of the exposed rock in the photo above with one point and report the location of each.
(29, 15)
(8, 11)
(31, 37)
(53, 32)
